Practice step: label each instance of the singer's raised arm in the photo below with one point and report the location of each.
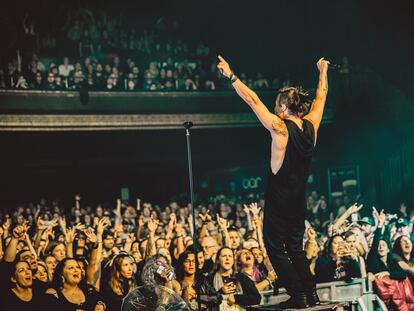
(268, 119)
(316, 112)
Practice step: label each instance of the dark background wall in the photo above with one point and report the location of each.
(283, 38)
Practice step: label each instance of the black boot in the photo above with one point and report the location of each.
(313, 298)
(296, 301)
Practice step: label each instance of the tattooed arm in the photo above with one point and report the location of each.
(318, 105)
(269, 120)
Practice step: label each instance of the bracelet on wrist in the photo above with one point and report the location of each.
(234, 78)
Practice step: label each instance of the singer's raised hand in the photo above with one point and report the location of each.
(322, 64)
(223, 67)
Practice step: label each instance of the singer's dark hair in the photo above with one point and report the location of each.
(294, 98)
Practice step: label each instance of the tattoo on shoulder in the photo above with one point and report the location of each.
(279, 127)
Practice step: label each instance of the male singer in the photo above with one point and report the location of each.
(294, 130)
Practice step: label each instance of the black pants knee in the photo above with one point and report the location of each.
(284, 243)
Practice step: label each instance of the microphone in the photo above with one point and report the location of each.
(188, 124)
(334, 66)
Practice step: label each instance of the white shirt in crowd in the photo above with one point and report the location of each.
(64, 70)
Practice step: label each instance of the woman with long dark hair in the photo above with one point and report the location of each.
(336, 262)
(403, 253)
(121, 281)
(69, 291)
(380, 261)
(18, 290)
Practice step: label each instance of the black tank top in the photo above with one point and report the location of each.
(285, 194)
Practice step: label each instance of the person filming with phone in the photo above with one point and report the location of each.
(337, 262)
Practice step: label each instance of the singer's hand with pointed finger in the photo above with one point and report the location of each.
(224, 67)
(322, 64)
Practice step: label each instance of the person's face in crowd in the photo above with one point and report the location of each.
(23, 275)
(323, 205)
(90, 68)
(238, 223)
(210, 247)
(99, 68)
(81, 240)
(153, 66)
(127, 268)
(146, 212)
(189, 265)
(99, 211)
(61, 238)
(154, 215)
(51, 264)
(59, 252)
(87, 62)
(226, 260)
(39, 78)
(314, 194)
(406, 245)
(137, 256)
(55, 71)
(335, 244)
(108, 68)
(33, 66)
(164, 217)
(115, 72)
(11, 67)
(258, 254)
(234, 238)
(30, 258)
(65, 61)
(200, 258)
(82, 267)
(117, 61)
(403, 208)
(169, 73)
(72, 273)
(109, 242)
(351, 242)
(41, 274)
(58, 80)
(87, 219)
(20, 219)
(246, 258)
(135, 70)
(50, 78)
(383, 248)
(163, 73)
(78, 67)
(135, 246)
(166, 254)
(366, 228)
(148, 76)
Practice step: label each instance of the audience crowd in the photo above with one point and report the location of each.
(99, 52)
(90, 257)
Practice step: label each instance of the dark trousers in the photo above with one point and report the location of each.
(284, 243)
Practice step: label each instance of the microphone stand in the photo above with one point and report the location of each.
(187, 125)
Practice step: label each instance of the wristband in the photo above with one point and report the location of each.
(234, 78)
